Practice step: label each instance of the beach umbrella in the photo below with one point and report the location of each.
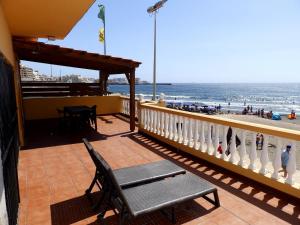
(276, 116)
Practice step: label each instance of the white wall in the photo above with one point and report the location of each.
(7, 50)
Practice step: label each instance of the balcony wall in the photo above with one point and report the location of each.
(46, 108)
(200, 135)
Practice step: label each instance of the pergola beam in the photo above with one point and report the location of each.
(54, 54)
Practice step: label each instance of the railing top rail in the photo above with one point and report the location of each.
(34, 84)
(126, 97)
(254, 127)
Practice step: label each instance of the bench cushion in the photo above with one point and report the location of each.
(135, 175)
(158, 195)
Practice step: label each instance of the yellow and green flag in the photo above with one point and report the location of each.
(101, 35)
(101, 14)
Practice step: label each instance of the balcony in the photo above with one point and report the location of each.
(55, 168)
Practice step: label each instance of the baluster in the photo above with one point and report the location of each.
(233, 145)
(162, 124)
(291, 166)
(142, 119)
(277, 159)
(253, 153)
(152, 120)
(158, 122)
(190, 134)
(202, 139)
(167, 118)
(149, 119)
(179, 127)
(224, 142)
(264, 158)
(243, 148)
(175, 128)
(183, 127)
(217, 140)
(196, 135)
(209, 140)
(146, 118)
(171, 133)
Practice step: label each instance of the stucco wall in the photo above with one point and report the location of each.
(5, 39)
(46, 108)
(7, 50)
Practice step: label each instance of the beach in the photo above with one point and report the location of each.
(284, 123)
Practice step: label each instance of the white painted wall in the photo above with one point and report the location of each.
(3, 211)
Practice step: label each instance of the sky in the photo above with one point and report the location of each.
(204, 41)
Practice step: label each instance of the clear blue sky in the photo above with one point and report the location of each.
(197, 40)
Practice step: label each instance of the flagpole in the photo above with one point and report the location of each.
(104, 33)
(154, 61)
(153, 10)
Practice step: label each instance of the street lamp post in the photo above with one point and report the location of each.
(153, 10)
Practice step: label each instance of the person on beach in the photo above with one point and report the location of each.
(285, 155)
(262, 113)
(257, 140)
(219, 149)
(261, 141)
(251, 109)
(228, 137)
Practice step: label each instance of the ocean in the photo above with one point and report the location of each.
(281, 98)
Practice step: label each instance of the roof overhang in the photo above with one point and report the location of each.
(54, 54)
(43, 19)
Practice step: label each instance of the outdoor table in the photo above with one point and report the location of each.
(78, 113)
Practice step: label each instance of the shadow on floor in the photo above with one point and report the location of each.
(47, 133)
(71, 211)
(78, 209)
(260, 195)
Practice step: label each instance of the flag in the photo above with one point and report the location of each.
(101, 35)
(101, 14)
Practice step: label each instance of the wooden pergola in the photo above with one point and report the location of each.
(106, 65)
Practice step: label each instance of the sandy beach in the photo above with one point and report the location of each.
(284, 123)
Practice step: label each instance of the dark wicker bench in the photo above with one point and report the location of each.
(146, 198)
(135, 175)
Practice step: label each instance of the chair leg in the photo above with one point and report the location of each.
(173, 216)
(107, 195)
(216, 197)
(216, 200)
(95, 121)
(89, 190)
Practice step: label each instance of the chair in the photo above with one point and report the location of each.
(134, 175)
(157, 195)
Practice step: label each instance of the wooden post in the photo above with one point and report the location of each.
(103, 75)
(132, 99)
(105, 83)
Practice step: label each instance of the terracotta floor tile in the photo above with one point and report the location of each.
(54, 172)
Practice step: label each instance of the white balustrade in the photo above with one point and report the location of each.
(208, 136)
(217, 140)
(253, 153)
(243, 148)
(291, 166)
(202, 140)
(264, 158)
(224, 142)
(277, 159)
(196, 135)
(190, 132)
(232, 145)
(209, 140)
